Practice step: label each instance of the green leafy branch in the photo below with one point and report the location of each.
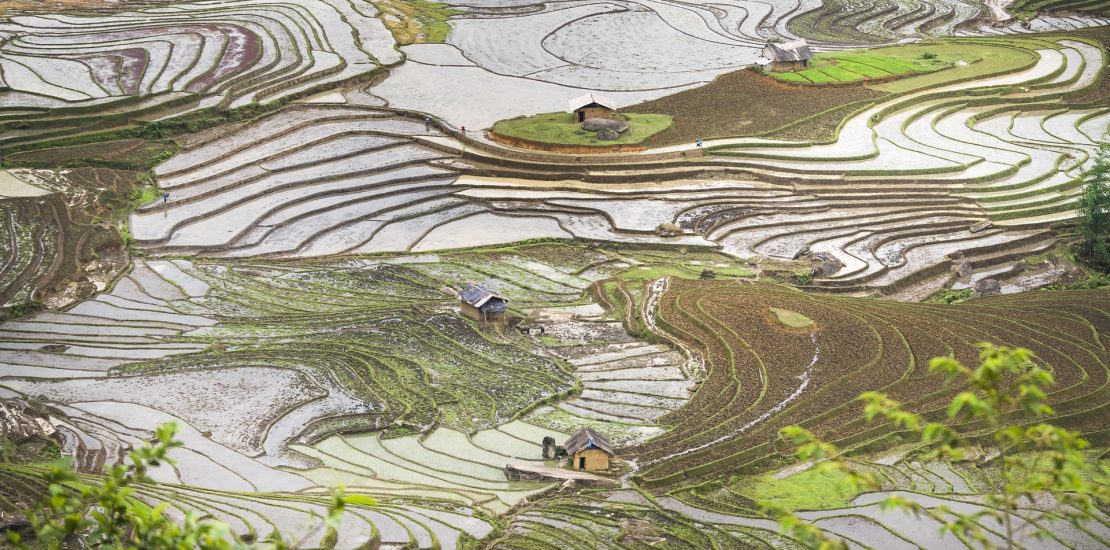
(1007, 386)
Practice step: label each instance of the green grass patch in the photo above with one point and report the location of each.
(949, 296)
(841, 74)
(857, 65)
(869, 71)
(791, 319)
(816, 77)
(644, 273)
(416, 21)
(1095, 470)
(792, 77)
(888, 65)
(808, 490)
(970, 58)
(550, 341)
(560, 128)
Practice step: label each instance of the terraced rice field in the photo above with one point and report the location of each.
(716, 515)
(291, 303)
(181, 328)
(319, 180)
(763, 375)
(70, 74)
(52, 249)
(303, 354)
(882, 21)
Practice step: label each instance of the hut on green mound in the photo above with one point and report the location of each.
(482, 305)
(785, 56)
(589, 450)
(592, 106)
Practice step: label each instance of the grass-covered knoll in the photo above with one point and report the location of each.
(561, 129)
(760, 380)
(884, 63)
(416, 21)
(791, 319)
(982, 57)
(811, 489)
(920, 66)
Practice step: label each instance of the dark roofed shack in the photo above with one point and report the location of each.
(592, 106)
(483, 305)
(589, 450)
(786, 56)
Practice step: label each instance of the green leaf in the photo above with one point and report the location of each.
(964, 399)
(361, 500)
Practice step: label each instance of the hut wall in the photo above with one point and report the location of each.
(596, 459)
(593, 112)
(470, 311)
(789, 65)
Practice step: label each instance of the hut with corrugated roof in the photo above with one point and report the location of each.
(589, 450)
(785, 56)
(482, 305)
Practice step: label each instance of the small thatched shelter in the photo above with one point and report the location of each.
(592, 106)
(589, 450)
(482, 305)
(785, 56)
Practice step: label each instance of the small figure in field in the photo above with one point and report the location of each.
(698, 142)
(427, 123)
(165, 197)
(463, 129)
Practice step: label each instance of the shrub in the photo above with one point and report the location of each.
(1094, 213)
(107, 515)
(949, 296)
(1006, 388)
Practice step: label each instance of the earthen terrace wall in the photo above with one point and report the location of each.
(563, 149)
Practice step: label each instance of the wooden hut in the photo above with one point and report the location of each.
(482, 305)
(785, 56)
(592, 106)
(589, 450)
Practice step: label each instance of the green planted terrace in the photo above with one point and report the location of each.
(881, 63)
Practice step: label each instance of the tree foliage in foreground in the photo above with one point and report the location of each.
(1036, 459)
(1094, 213)
(107, 514)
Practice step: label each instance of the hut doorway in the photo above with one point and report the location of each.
(581, 463)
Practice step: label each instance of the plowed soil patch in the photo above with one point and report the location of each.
(744, 103)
